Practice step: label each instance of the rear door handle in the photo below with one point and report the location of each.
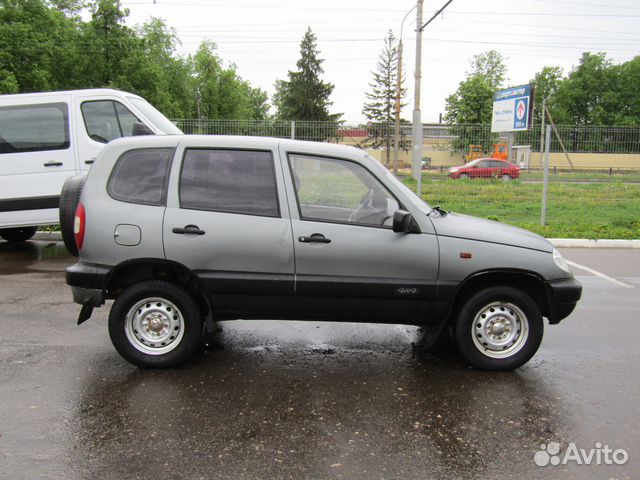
(53, 163)
(189, 230)
(89, 162)
(314, 238)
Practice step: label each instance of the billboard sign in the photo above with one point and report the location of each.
(512, 109)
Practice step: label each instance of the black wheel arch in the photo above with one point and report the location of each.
(527, 281)
(130, 272)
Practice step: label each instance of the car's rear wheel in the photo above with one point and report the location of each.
(69, 198)
(19, 234)
(499, 328)
(155, 324)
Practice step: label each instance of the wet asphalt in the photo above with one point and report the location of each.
(307, 399)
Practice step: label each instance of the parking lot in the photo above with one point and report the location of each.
(311, 400)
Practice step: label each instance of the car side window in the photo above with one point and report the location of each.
(34, 128)
(342, 191)
(106, 120)
(229, 181)
(141, 176)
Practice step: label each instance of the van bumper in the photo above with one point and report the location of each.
(563, 298)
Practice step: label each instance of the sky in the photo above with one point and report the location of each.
(262, 38)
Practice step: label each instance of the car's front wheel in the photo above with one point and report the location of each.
(155, 324)
(499, 328)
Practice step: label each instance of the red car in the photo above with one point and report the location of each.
(486, 168)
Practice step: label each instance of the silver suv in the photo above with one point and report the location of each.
(185, 230)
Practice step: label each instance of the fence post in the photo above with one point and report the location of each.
(545, 178)
(293, 130)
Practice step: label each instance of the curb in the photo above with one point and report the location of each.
(586, 243)
(557, 242)
(48, 236)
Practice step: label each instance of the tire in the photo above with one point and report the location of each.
(506, 177)
(463, 176)
(172, 338)
(69, 199)
(498, 328)
(19, 234)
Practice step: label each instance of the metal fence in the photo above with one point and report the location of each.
(613, 149)
(594, 189)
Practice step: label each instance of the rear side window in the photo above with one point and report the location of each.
(106, 120)
(231, 181)
(34, 128)
(141, 176)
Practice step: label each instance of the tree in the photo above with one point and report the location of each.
(546, 84)
(590, 93)
(490, 66)
(472, 103)
(304, 96)
(380, 110)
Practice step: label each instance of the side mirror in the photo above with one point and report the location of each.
(403, 222)
(140, 128)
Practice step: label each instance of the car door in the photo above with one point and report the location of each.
(225, 221)
(350, 265)
(482, 169)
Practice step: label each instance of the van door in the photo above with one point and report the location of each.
(100, 119)
(36, 157)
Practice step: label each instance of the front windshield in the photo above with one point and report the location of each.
(155, 117)
(420, 203)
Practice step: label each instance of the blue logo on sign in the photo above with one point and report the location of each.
(521, 113)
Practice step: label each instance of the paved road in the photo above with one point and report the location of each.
(310, 400)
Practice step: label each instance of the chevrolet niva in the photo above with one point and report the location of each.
(184, 230)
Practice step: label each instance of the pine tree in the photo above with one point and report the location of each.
(304, 96)
(381, 107)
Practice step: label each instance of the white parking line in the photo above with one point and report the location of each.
(599, 274)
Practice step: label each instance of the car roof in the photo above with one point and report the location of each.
(239, 141)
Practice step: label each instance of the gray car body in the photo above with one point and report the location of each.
(252, 260)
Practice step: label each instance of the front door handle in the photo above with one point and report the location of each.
(314, 238)
(89, 162)
(189, 230)
(53, 163)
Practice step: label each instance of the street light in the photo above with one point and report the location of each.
(396, 146)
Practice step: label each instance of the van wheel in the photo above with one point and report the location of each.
(69, 199)
(155, 324)
(20, 234)
(499, 328)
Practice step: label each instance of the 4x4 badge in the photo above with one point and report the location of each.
(407, 291)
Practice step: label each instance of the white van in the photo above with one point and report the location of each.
(47, 137)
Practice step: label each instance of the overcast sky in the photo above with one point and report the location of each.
(262, 38)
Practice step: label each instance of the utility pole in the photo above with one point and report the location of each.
(396, 145)
(417, 120)
(417, 114)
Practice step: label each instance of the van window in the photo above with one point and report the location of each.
(141, 176)
(106, 120)
(231, 181)
(34, 128)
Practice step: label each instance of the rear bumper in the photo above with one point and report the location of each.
(87, 283)
(563, 298)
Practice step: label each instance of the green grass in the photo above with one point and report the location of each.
(597, 210)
